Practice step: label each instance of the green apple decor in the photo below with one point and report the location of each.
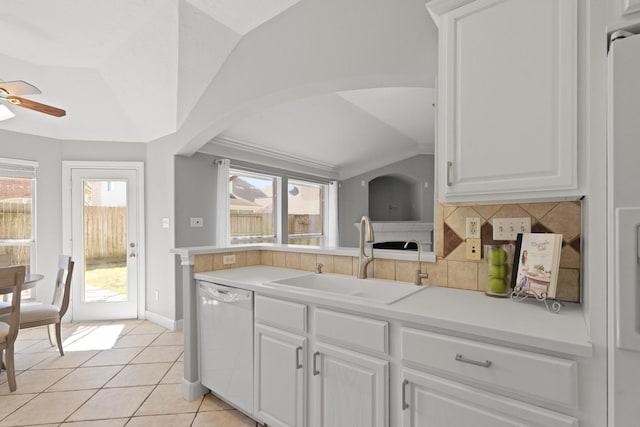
(496, 257)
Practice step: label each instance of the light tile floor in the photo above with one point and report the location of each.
(112, 374)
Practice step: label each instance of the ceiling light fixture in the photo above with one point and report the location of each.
(5, 113)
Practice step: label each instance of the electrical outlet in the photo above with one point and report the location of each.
(473, 228)
(508, 228)
(228, 259)
(196, 222)
(157, 295)
(474, 251)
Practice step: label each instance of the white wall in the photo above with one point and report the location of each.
(313, 48)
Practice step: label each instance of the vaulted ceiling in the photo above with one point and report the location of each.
(141, 70)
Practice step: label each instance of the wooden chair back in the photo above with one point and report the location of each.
(11, 280)
(62, 290)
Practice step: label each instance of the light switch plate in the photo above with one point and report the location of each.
(474, 251)
(508, 228)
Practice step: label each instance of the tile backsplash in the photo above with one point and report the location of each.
(451, 268)
(546, 217)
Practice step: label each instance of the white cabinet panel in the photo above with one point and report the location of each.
(630, 6)
(430, 401)
(514, 371)
(507, 100)
(353, 331)
(279, 377)
(351, 389)
(283, 314)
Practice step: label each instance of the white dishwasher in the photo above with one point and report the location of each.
(226, 343)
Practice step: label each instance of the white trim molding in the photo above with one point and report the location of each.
(165, 322)
(67, 167)
(630, 6)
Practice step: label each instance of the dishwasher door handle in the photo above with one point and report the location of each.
(224, 295)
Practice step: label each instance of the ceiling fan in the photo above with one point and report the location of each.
(10, 90)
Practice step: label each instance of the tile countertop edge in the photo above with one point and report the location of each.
(339, 251)
(526, 324)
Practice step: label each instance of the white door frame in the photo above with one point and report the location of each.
(67, 167)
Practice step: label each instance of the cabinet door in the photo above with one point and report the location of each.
(279, 377)
(430, 401)
(507, 102)
(351, 390)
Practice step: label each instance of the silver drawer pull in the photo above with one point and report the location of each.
(405, 405)
(449, 165)
(315, 363)
(298, 364)
(461, 358)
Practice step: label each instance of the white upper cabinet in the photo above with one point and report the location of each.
(507, 99)
(630, 6)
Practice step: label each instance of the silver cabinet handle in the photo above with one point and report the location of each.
(315, 363)
(298, 363)
(449, 165)
(405, 405)
(638, 244)
(461, 358)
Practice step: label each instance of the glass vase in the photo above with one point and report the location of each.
(498, 260)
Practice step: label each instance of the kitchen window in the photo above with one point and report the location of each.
(305, 212)
(17, 214)
(253, 207)
(274, 208)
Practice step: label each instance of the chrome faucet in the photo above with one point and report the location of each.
(366, 235)
(419, 274)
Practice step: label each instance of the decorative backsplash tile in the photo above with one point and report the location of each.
(451, 268)
(547, 217)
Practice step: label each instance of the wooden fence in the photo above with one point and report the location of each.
(261, 224)
(15, 223)
(251, 224)
(105, 234)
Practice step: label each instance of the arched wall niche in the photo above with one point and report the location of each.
(395, 197)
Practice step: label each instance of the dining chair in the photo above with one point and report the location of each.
(51, 315)
(11, 279)
(5, 261)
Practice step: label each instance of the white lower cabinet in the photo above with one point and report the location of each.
(337, 371)
(279, 386)
(351, 389)
(431, 401)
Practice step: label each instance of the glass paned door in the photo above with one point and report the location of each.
(105, 244)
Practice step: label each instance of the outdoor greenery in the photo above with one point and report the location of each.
(112, 279)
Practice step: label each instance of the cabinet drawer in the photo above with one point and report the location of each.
(544, 377)
(351, 330)
(284, 314)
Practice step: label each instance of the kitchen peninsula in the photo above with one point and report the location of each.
(517, 338)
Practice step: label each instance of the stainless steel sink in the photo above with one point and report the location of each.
(374, 290)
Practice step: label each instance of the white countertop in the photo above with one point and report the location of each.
(471, 313)
(340, 251)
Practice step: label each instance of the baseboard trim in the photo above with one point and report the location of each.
(165, 322)
(193, 391)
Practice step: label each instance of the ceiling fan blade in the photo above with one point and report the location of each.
(37, 106)
(18, 87)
